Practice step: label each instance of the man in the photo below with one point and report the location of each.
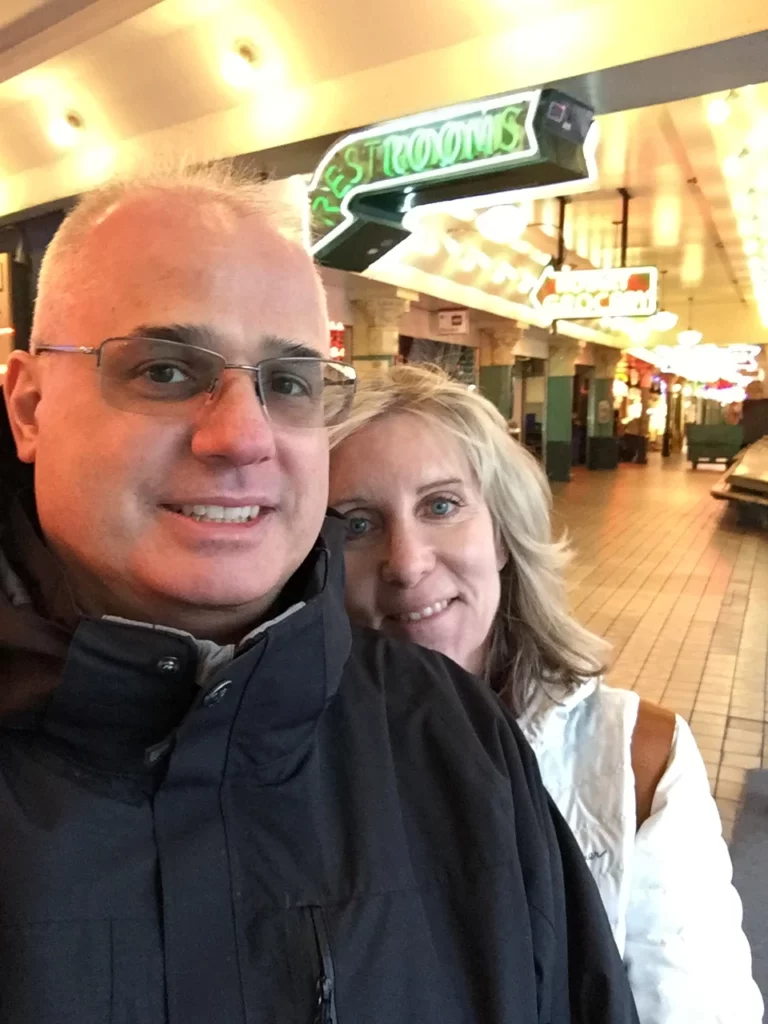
(217, 803)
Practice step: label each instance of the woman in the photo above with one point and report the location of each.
(449, 545)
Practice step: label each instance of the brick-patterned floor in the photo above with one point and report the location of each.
(663, 571)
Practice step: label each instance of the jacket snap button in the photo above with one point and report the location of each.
(217, 693)
(168, 665)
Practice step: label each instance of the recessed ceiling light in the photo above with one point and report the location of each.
(65, 131)
(240, 65)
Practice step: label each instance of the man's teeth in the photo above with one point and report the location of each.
(219, 513)
(425, 613)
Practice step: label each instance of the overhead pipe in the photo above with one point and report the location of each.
(625, 197)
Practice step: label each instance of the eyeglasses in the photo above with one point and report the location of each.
(172, 379)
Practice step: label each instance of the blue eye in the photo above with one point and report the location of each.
(441, 506)
(357, 527)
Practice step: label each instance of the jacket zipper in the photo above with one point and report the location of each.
(325, 1007)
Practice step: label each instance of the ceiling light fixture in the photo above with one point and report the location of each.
(240, 65)
(689, 338)
(735, 164)
(742, 203)
(664, 319)
(758, 137)
(426, 244)
(468, 262)
(499, 275)
(452, 245)
(502, 224)
(719, 109)
(66, 130)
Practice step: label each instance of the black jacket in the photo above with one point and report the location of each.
(337, 829)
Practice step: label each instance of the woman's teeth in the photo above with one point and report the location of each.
(425, 613)
(218, 513)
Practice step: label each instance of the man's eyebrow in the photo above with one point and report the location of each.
(273, 345)
(270, 346)
(184, 334)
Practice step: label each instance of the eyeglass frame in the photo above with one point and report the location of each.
(253, 370)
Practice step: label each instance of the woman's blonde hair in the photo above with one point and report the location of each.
(535, 641)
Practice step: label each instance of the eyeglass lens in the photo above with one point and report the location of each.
(165, 378)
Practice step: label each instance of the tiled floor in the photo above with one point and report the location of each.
(663, 571)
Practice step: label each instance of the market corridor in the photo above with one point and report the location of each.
(663, 571)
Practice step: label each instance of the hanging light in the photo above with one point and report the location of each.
(734, 165)
(689, 338)
(468, 262)
(719, 109)
(502, 224)
(426, 244)
(758, 137)
(664, 319)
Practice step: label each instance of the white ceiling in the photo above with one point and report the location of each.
(147, 75)
(146, 78)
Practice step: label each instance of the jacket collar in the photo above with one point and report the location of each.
(126, 688)
(554, 701)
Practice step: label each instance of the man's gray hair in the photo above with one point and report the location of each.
(535, 641)
(64, 269)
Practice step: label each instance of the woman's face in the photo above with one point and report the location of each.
(422, 561)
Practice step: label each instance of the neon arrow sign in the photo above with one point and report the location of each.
(369, 179)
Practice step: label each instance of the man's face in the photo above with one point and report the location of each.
(110, 483)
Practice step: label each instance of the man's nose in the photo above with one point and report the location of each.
(409, 556)
(233, 425)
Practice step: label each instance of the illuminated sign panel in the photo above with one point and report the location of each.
(370, 179)
(594, 294)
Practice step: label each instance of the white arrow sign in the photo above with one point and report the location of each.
(594, 294)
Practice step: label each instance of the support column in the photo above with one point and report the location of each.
(376, 333)
(670, 380)
(602, 443)
(497, 360)
(558, 428)
(646, 379)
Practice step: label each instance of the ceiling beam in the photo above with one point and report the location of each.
(56, 26)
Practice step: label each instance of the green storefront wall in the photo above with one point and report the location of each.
(496, 386)
(559, 428)
(602, 445)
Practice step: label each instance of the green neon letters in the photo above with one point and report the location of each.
(414, 150)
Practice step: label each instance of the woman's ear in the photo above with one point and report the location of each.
(22, 397)
(502, 555)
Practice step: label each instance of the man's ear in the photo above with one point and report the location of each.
(22, 397)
